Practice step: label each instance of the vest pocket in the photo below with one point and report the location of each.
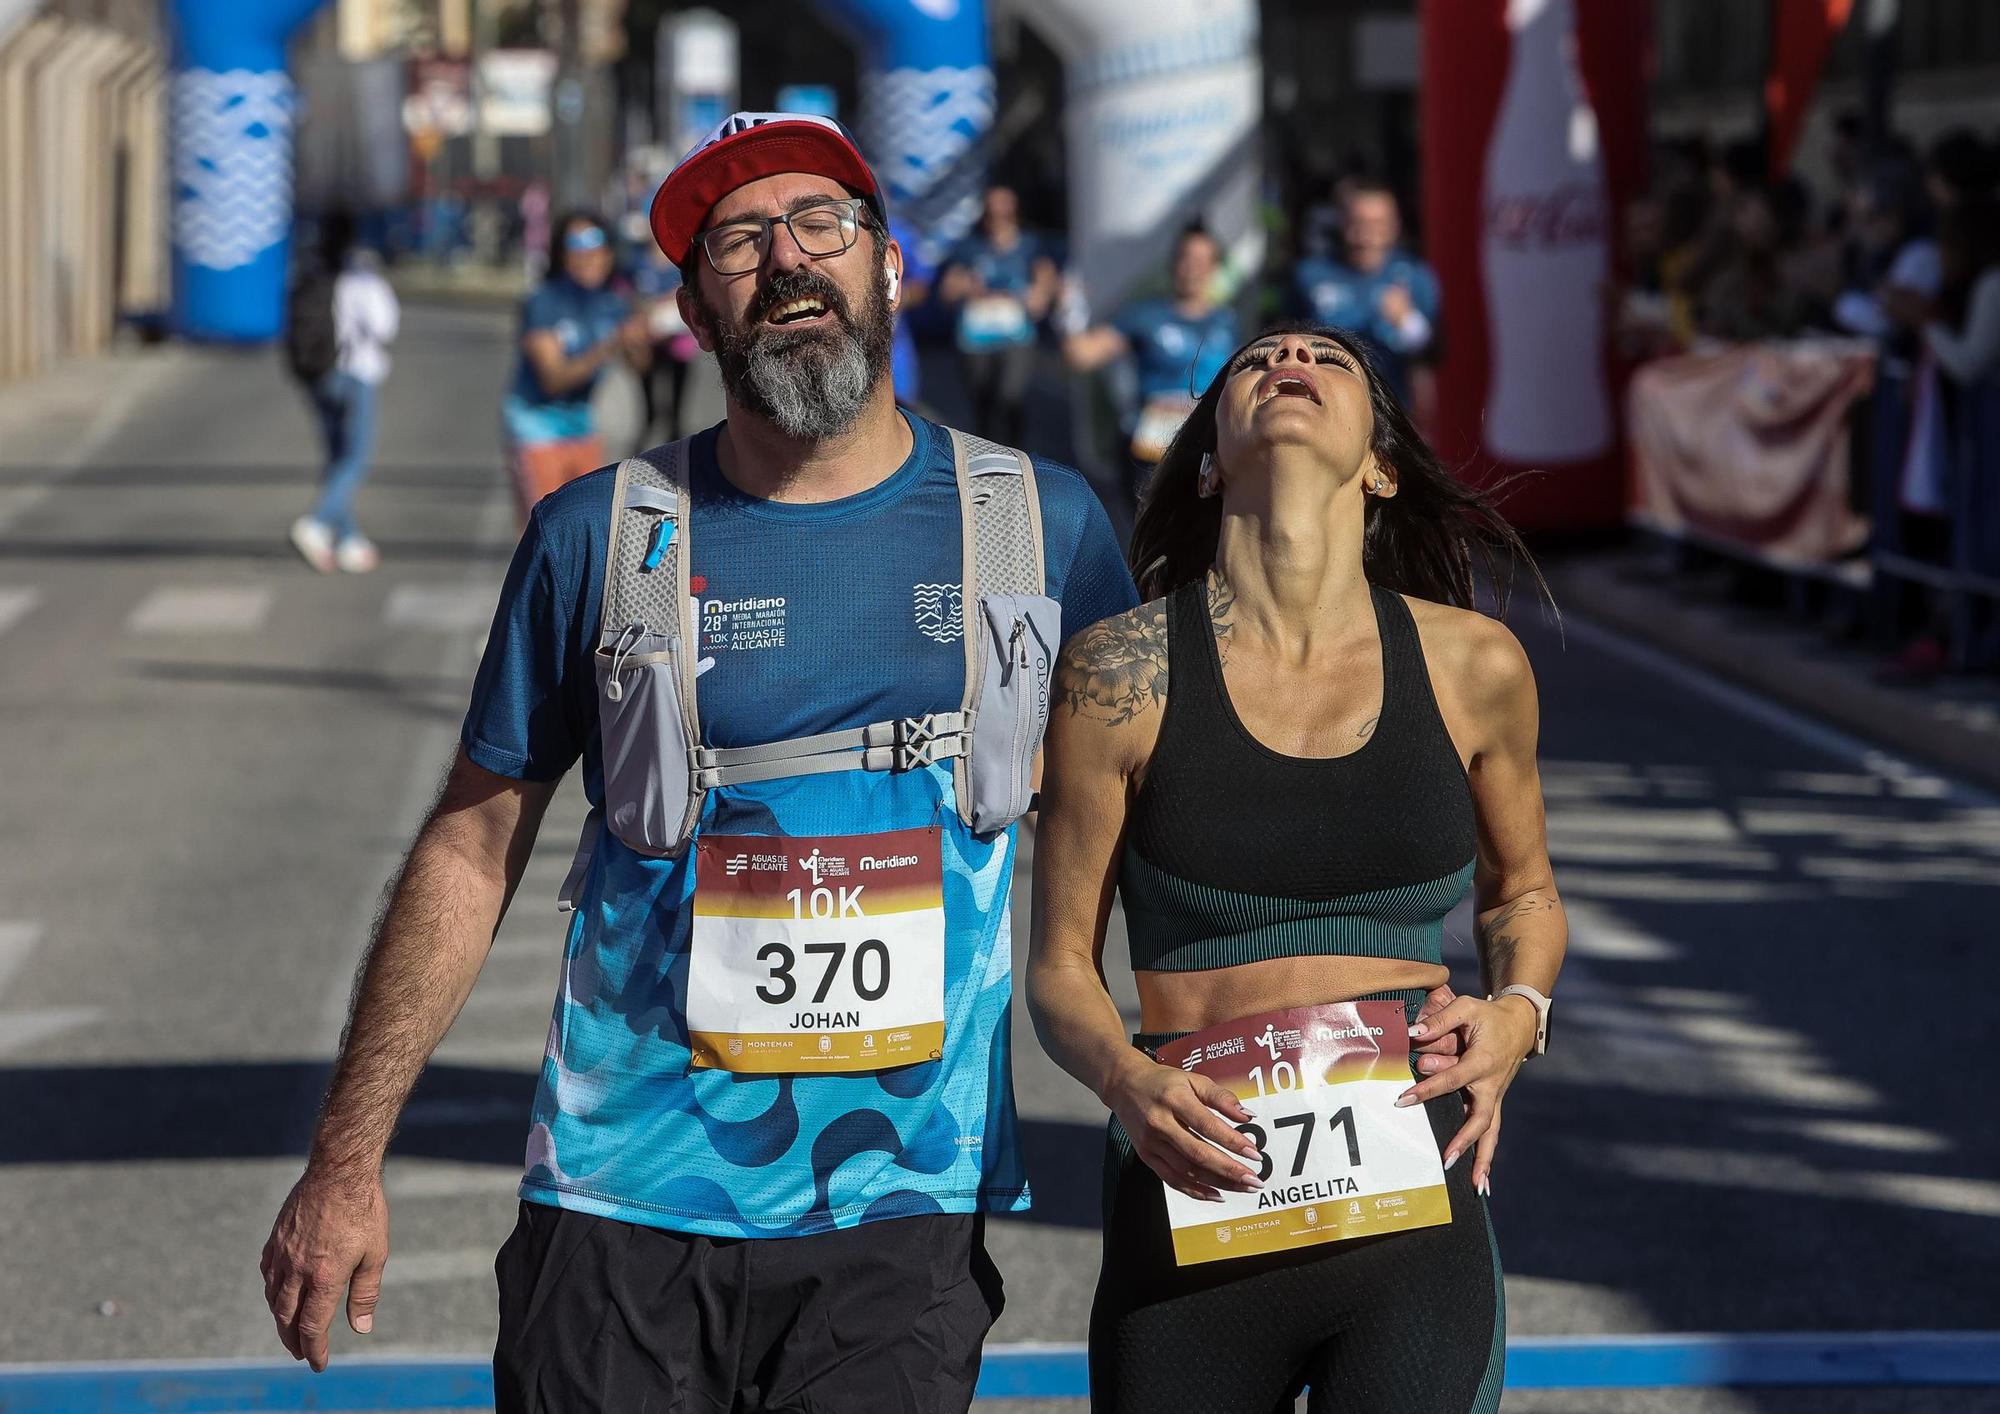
(1018, 638)
(649, 797)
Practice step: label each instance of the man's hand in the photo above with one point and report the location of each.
(331, 1238)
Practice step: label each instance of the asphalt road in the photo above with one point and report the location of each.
(1765, 1108)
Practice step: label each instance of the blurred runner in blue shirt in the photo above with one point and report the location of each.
(1002, 281)
(571, 327)
(1375, 290)
(1176, 346)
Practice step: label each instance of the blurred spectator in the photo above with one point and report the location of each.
(1384, 295)
(1176, 346)
(1960, 167)
(1960, 333)
(1963, 332)
(1888, 252)
(1002, 282)
(654, 281)
(534, 209)
(342, 321)
(1654, 312)
(1749, 296)
(918, 275)
(572, 326)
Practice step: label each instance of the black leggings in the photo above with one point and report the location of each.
(1408, 1323)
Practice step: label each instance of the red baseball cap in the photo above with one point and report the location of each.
(744, 147)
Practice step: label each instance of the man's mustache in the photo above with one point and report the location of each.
(798, 284)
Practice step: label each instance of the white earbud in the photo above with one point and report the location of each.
(895, 277)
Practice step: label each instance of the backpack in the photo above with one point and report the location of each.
(656, 768)
(312, 348)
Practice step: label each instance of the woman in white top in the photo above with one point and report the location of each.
(1971, 259)
(365, 319)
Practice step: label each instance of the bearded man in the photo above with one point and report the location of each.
(775, 1105)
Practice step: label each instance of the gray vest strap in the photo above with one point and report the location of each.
(1000, 518)
(647, 608)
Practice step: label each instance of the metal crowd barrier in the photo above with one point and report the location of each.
(1873, 591)
(1967, 579)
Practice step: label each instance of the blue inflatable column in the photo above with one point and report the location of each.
(927, 103)
(233, 110)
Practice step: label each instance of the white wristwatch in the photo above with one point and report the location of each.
(1541, 1013)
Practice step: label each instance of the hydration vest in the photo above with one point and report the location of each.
(657, 772)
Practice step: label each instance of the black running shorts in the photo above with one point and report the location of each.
(884, 1318)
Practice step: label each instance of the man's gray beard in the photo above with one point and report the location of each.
(811, 385)
(809, 388)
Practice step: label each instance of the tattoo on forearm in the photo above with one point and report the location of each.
(1118, 669)
(1500, 939)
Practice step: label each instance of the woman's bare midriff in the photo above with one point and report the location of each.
(1189, 1001)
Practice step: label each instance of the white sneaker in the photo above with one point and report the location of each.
(314, 542)
(356, 554)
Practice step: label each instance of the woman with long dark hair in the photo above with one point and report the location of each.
(1292, 763)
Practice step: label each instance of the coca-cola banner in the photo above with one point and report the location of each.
(1534, 117)
(1749, 443)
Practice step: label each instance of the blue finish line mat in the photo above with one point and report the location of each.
(1804, 1359)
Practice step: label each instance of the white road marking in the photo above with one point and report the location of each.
(465, 1264)
(440, 608)
(17, 501)
(20, 1029)
(109, 416)
(18, 938)
(538, 946)
(535, 996)
(207, 608)
(15, 604)
(409, 1179)
(500, 1054)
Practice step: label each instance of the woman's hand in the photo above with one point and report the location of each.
(1494, 1038)
(1172, 1116)
(1439, 1050)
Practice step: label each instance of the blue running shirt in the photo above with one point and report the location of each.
(580, 319)
(1333, 292)
(813, 618)
(1176, 356)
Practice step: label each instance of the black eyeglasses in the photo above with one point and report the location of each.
(821, 229)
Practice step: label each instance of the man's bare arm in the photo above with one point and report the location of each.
(332, 1235)
(430, 943)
